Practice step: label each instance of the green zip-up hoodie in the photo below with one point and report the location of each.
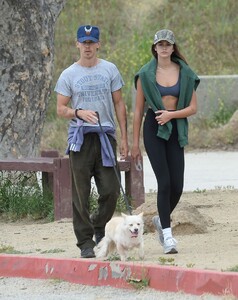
(188, 83)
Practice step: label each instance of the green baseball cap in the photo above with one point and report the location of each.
(164, 35)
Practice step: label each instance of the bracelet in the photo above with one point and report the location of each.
(75, 112)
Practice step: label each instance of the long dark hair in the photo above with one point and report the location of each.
(176, 53)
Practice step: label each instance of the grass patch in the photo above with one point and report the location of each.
(7, 249)
(167, 261)
(199, 191)
(190, 265)
(233, 269)
(139, 282)
(21, 196)
(57, 250)
(114, 257)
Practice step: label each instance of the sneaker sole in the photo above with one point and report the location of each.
(171, 251)
(88, 256)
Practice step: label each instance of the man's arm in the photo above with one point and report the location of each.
(63, 110)
(62, 107)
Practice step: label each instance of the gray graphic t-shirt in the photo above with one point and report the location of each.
(91, 88)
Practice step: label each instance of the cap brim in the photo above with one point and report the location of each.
(88, 38)
(170, 41)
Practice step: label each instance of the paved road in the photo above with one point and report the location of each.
(203, 170)
(33, 289)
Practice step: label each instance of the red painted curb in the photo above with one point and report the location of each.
(120, 275)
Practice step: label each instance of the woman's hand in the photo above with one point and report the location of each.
(163, 116)
(124, 149)
(136, 153)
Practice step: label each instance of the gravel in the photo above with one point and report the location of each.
(35, 289)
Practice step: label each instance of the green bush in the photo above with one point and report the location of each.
(93, 204)
(21, 197)
(222, 115)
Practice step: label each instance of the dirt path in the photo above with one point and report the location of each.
(215, 249)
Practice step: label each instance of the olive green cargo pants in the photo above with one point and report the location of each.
(84, 165)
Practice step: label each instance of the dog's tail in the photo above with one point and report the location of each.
(102, 249)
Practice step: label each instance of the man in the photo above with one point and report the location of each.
(88, 93)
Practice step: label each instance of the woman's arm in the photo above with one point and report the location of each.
(165, 116)
(137, 120)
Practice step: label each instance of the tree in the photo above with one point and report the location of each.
(26, 66)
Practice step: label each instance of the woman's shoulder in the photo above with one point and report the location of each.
(187, 72)
(185, 68)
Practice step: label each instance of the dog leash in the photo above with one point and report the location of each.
(114, 167)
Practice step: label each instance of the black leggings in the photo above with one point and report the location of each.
(167, 161)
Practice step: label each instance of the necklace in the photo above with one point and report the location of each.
(170, 68)
(164, 69)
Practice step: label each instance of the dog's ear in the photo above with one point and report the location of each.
(141, 214)
(123, 215)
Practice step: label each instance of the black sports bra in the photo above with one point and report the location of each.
(170, 90)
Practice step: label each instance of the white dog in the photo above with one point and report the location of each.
(121, 234)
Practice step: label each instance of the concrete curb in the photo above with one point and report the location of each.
(120, 275)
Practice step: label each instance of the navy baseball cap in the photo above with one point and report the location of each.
(88, 33)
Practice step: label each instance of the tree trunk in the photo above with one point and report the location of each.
(26, 66)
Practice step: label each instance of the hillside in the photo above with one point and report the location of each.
(204, 31)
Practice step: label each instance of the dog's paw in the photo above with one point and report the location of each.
(142, 253)
(123, 257)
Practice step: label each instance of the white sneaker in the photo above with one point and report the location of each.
(157, 224)
(170, 246)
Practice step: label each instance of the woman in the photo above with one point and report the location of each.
(167, 85)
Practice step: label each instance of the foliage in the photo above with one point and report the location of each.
(212, 134)
(166, 261)
(222, 115)
(7, 249)
(205, 31)
(233, 269)
(93, 203)
(57, 250)
(141, 282)
(21, 197)
(127, 31)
